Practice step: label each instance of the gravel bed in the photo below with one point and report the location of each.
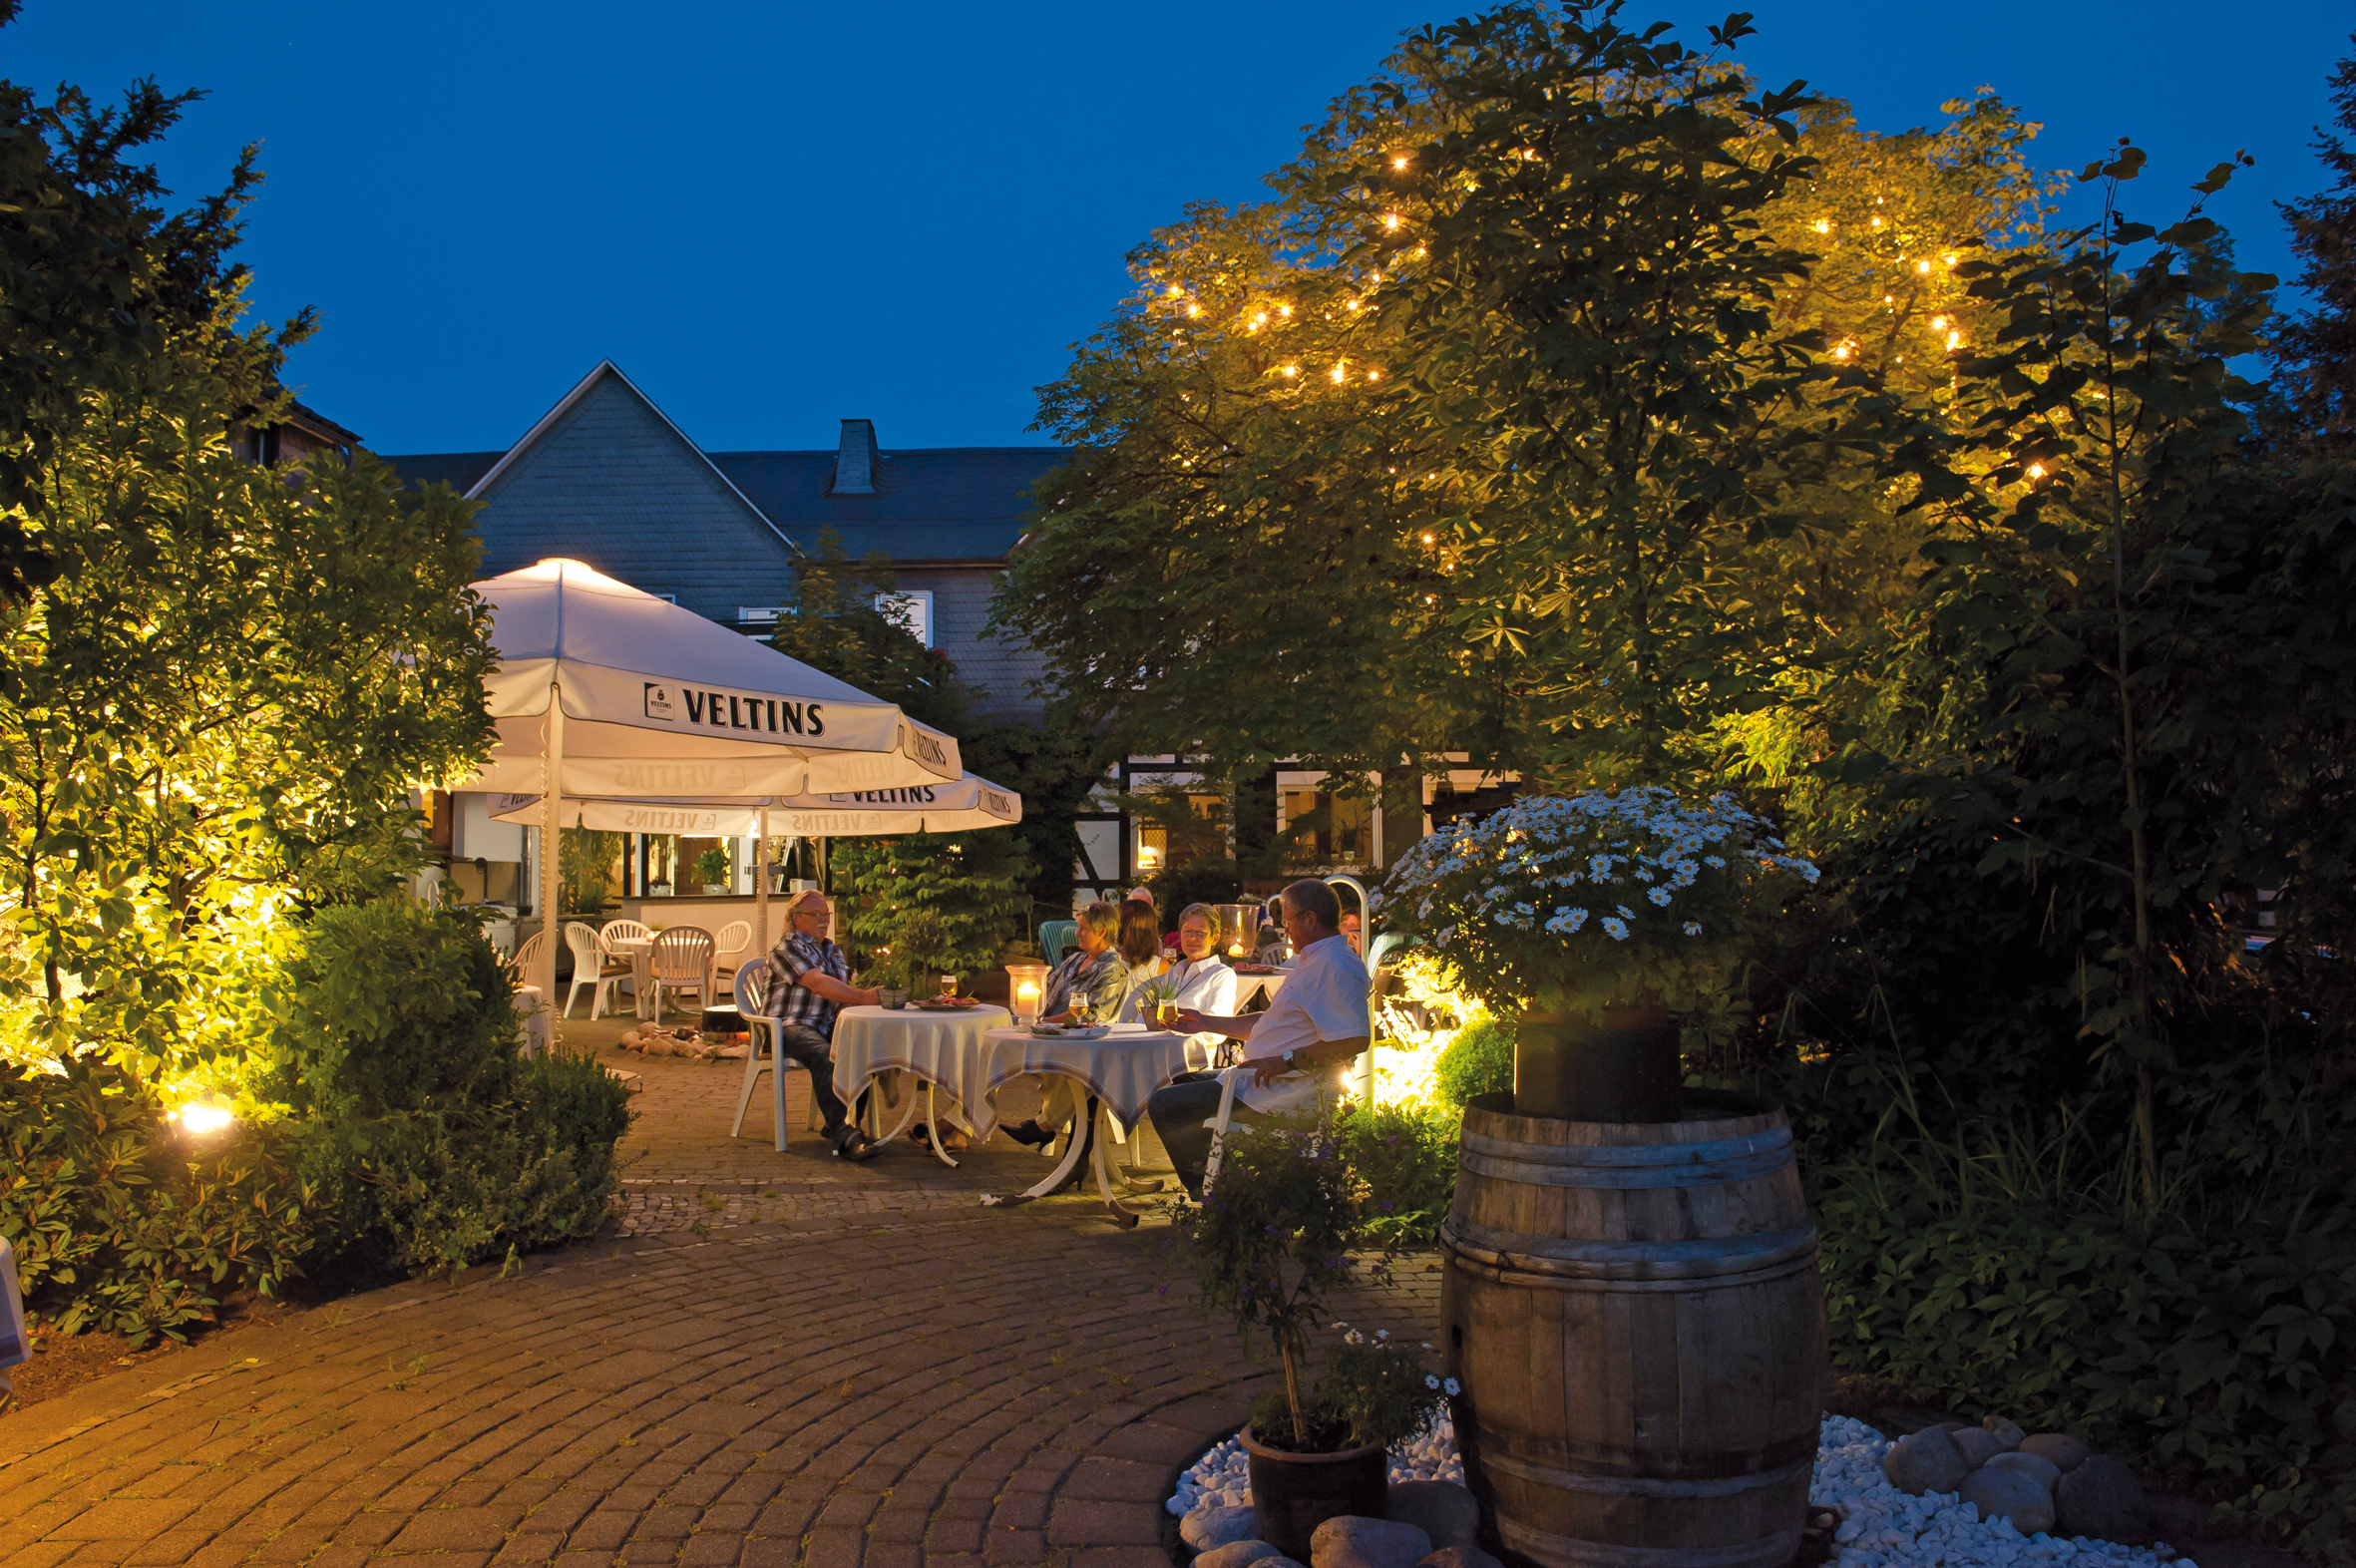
(1881, 1527)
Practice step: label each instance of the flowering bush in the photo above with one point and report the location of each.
(1633, 899)
(1372, 1389)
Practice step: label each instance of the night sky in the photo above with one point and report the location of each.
(775, 216)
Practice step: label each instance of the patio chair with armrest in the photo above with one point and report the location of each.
(527, 958)
(593, 967)
(761, 1054)
(730, 944)
(1056, 938)
(681, 963)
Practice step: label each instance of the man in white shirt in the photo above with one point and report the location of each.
(1292, 1052)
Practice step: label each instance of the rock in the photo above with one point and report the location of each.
(1925, 1461)
(2102, 1498)
(1354, 1541)
(1213, 1526)
(1459, 1557)
(2008, 1494)
(1976, 1445)
(2063, 1454)
(1446, 1513)
(2008, 1435)
(1237, 1554)
(2045, 1473)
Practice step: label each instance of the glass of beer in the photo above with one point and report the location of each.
(1082, 1010)
(948, 987)
(1165, 1013)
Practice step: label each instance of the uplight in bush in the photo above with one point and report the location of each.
(203, 1117)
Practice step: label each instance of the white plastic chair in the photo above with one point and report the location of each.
(624, 930)
(760, 1055)
(593, 967)
(1218, 1126)
(527, 958)
(682, 963)
(730, 945)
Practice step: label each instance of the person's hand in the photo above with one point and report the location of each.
(1190, 1022)
(875, 995)
(1267, 1069)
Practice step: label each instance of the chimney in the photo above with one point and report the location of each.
(855, 458)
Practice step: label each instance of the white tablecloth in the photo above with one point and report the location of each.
(950, 1050)
(537, 1027)
(1249, 985)
(1122, 1069)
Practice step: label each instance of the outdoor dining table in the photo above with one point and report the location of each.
(944, 1050)
(640, 951)
(1249, 985)
(971, 1055)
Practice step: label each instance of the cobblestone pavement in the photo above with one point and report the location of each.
(789, 1361)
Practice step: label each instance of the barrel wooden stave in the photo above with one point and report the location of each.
(1635, 1316)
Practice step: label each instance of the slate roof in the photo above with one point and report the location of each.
(931, 504)
(458, 470)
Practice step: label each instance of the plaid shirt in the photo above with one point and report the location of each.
(1105, 977)
(789, 1000)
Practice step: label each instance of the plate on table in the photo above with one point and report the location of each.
(948, 1005)
(1257, 968)
(1070, 1031)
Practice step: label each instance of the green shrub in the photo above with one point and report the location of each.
(121, 1223)
(1406, 1156)
(1480, 1060)
(430, 1142)
(1205, 879)
(1998, 1270)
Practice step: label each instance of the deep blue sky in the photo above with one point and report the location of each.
(773, 215)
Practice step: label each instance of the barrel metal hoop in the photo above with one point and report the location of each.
(1522, 1173)
(1560, 1551)
(1647, 1486)
(1609, 1156)
(1727, 1260)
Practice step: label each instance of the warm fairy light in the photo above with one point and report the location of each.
(2036, 471)
(1950, 260)
(1922, 267)
(1399, 163)
(1259, 321)
(1353, 304)
(1390, 220)
(1955, 340)
(1175, 290)
(1428, 538)
(1822, 226)
(1938, 323)
(1291, 370)
(1194, 309)
(1842, 352)
(1284, 310)
(1373, 375)
(1339, 375)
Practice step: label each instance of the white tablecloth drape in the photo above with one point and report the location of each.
(950, 1050)
(1122, 1069)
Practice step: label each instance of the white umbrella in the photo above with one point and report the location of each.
(968, 803)
(971, 802)
(603, 690)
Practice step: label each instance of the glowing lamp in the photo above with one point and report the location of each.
(1239, 929)
(203, 1118)
(1027, 982)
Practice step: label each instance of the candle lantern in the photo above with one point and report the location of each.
(1239, 929)
(1026, 984)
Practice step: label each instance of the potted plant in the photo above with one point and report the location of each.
(1268, 1243)
(711, 869)
(1599, 919)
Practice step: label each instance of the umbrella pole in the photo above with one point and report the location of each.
(550, 926)
(761, 886)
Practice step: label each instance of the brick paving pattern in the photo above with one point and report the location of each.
(785, 1361)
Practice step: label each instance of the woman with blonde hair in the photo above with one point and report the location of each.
(1200, 980)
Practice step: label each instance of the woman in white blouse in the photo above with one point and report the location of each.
(1202, 980)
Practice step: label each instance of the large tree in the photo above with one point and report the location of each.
(1558, 406)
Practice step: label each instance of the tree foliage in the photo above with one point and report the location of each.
(1550, 411)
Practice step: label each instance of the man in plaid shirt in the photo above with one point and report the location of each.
(809, 982)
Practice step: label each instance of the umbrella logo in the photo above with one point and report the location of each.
(659, 702)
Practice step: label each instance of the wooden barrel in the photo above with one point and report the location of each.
(1634, 1315)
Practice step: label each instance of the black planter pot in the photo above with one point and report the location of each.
(1625, 1069)
(1294, 1493)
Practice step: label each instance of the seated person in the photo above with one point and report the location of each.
(1200, 980)
(1139, 943)
(1094, 965)
(1292, 1052)
(1354, 933)
(809, 983)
